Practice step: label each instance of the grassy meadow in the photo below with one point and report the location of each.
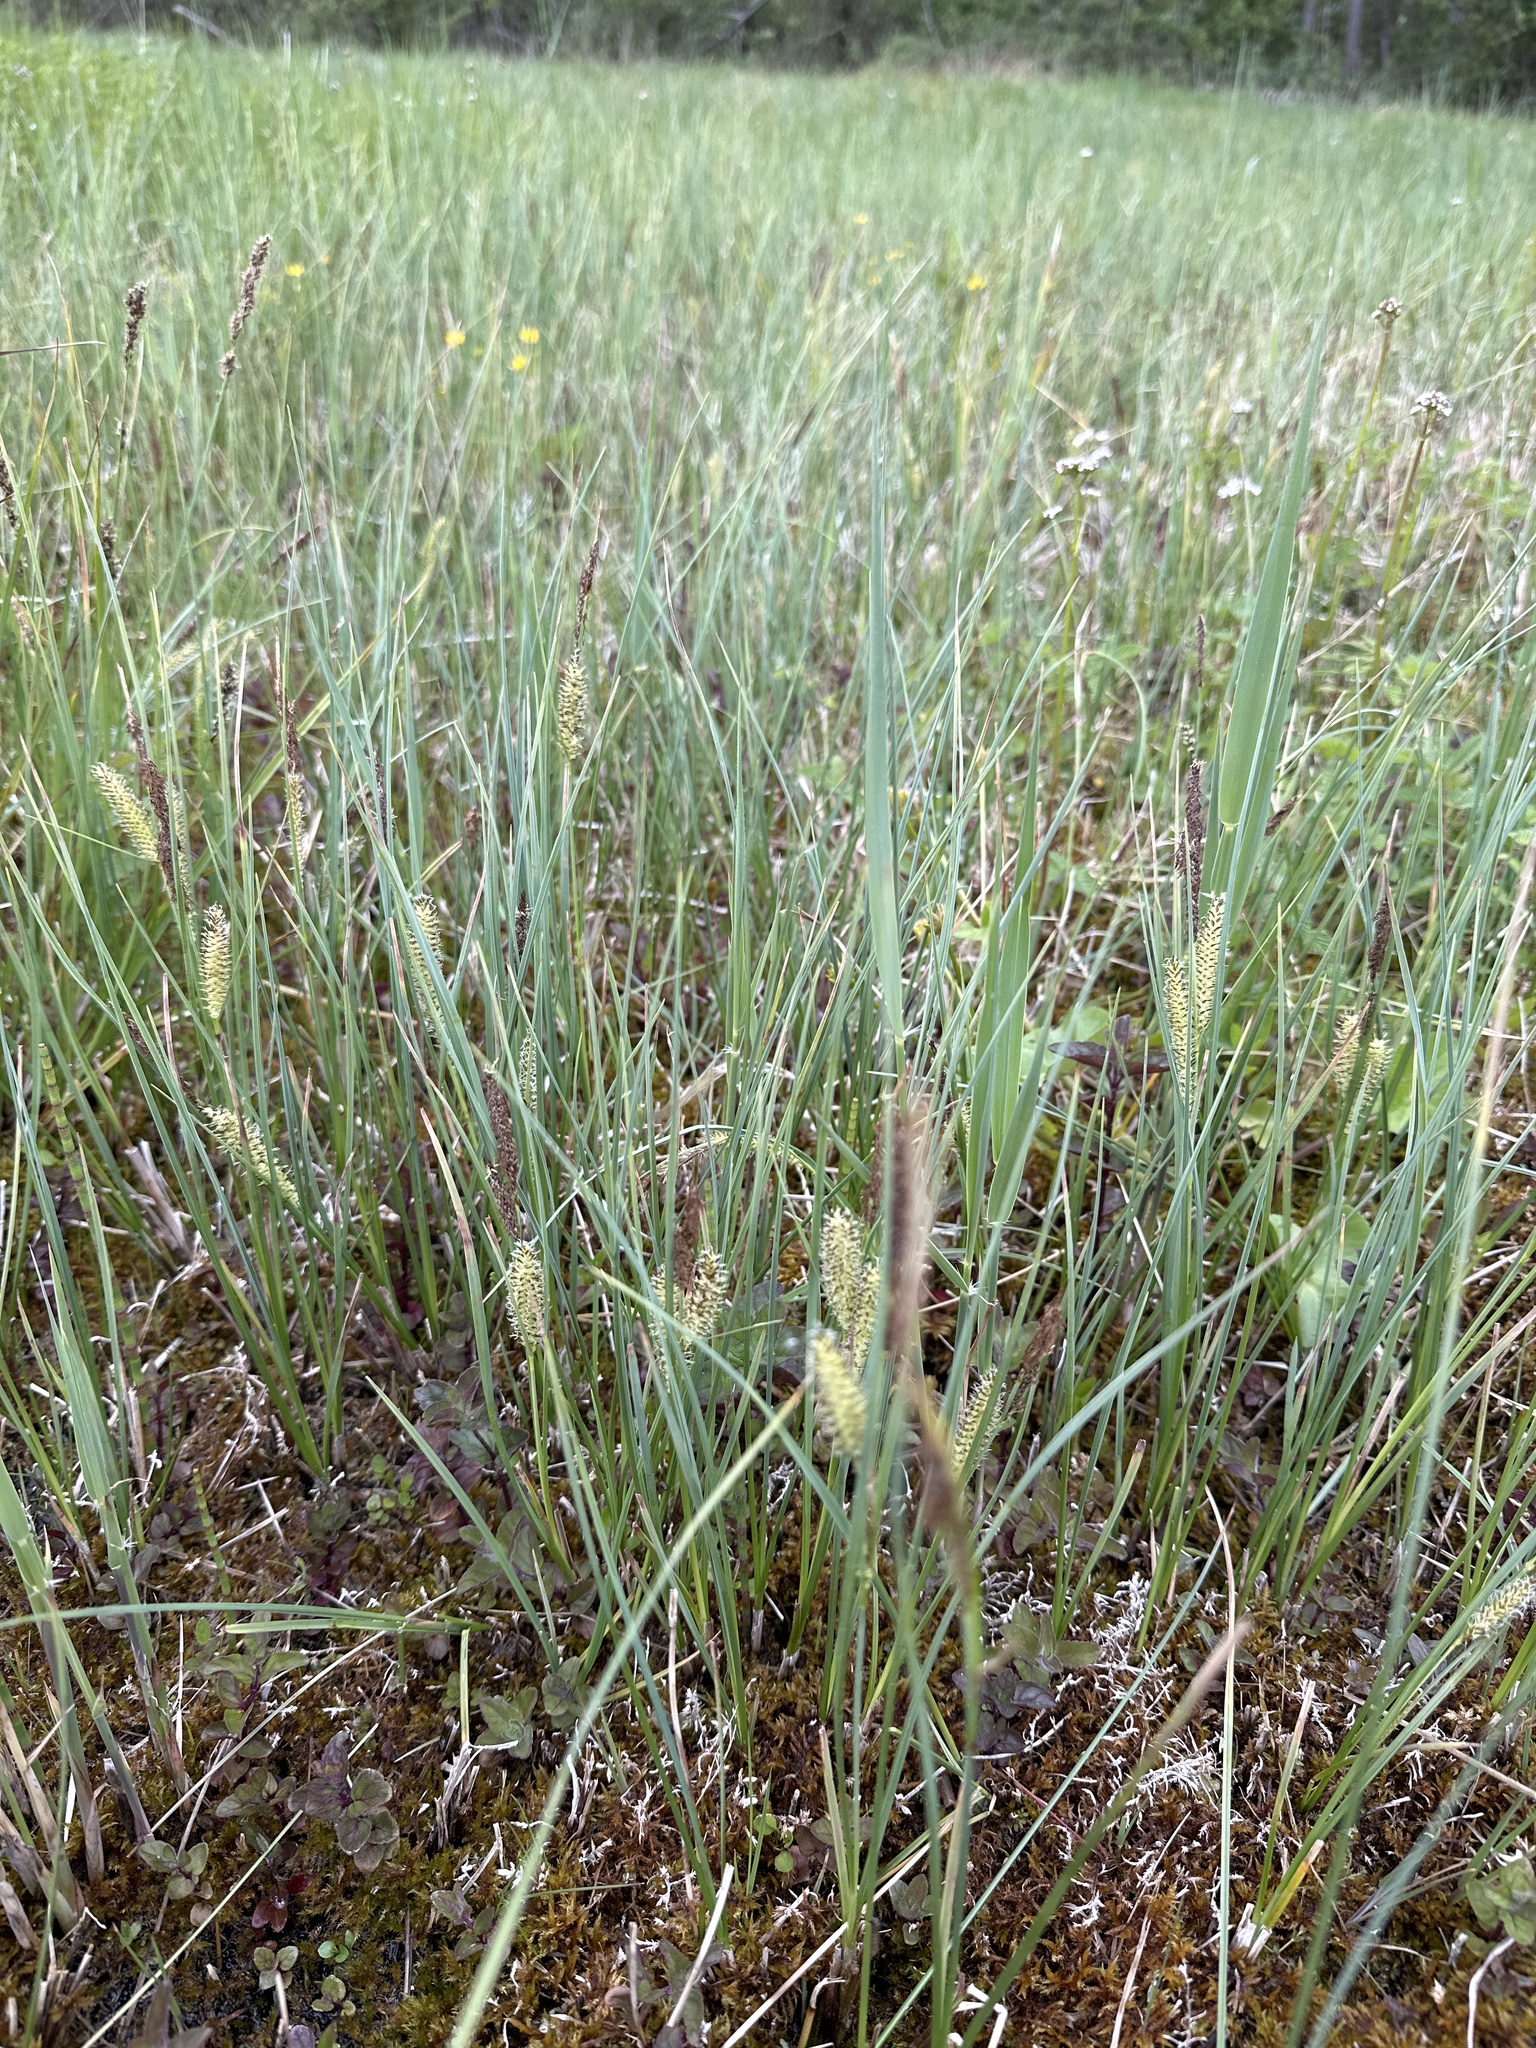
(765, 1122)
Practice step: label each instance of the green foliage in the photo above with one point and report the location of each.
(915, 450)
(1482, 50)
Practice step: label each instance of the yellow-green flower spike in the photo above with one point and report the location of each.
(842, 1256)
(1377, 1054)
(861, 1325)
(525, 1287)
(705, 1299)
(213, 963)
(838, 1394)
(1176, 996)
(528, 1072)
(135, 820)
(231, 1134)
(571, 709)
(969, 1439)
(1207, 963)
(1516, 1599)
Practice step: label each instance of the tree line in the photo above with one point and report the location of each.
(1466, 51)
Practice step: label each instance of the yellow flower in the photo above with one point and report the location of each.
(295, 269)
(861, 220)
(519, 363)
(528, 336)
(453, 337)
(975, 282)
(325, 259)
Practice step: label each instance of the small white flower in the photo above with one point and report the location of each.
(1241, 407)
(1235, 486)
(1085, 152)
(1433, 408)
(1084, 464)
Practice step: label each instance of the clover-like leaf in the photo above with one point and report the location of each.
(565, 1696)
(371, 1792)
(322, 1797)
(1507, 1896)
(158, 1855)
(509, 1720)
(383, 1837)
(452, 1906)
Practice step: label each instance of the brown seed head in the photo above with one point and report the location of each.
(1041, 1346)
(246, 304)
(685, 1236)
(1194, 839)
(911, 1219)
(135, 304)
(503, 1175)
(1381, 934)
(153, 783)
(584, 590)
(874, 1187)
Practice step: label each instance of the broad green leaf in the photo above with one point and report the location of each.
(1310, 1292)
(1506, 1897)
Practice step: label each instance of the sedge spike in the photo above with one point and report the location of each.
(1207, 965)
(525, 1291)
(977, 1426)
(1516, 1599)
(705, 1299)
(134, 819)
(1176, 995)
(842, 1258)
(571, 710)
(861, 1325)
(230, 1133)
(213, 963)
(838, 1394)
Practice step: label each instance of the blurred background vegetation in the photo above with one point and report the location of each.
(1470, 52)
